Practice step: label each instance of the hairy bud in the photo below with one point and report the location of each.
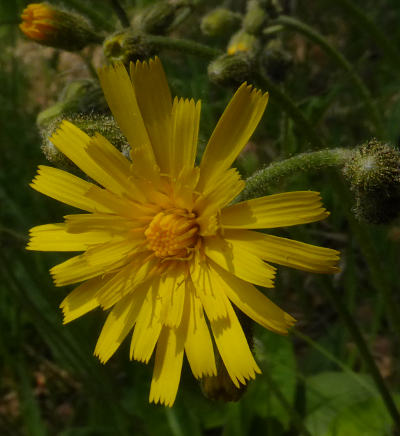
(374, 177)
(220, 22)
(128, 46)
(159, 17)
(83, 96)
(231, 70)
(90, 124)
(54, 27)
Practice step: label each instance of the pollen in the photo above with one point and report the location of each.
(172, 234)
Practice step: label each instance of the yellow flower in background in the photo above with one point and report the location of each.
(55, 27)
(163, 249)
(38, 21)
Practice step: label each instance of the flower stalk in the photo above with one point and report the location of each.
(259, 183)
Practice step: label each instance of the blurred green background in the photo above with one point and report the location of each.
(50, 382)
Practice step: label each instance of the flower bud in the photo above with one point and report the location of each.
(90, 124)
(220, 387)
(276, 60)
(255, 17)
(374, 177)
(57, 28)
(243, 42)
(231, 70)
(84, 96)
(158, 17)
(220, 22)
(128, 46)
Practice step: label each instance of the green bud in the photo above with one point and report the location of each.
(221, 387)
(90, 124)
(276, 60)
(231, 70)
(220, 22)
(159, 17)
(255, 17)
(128, 46)
(374, 177)
(58, 28)
(243, 42)
(83, 96)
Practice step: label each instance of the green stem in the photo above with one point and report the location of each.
(296, 419)
(367, 25)
(183, 46)
(288, 105)
(96, 18)
(375, 267)
(362, 347)
(319, 39)
(345, 368)
(121, 14)
(259, 183)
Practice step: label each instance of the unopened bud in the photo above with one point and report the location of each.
(159, 17)
(54, 27)
(276, 60)
(90, 124)
(221, 386)
(128, 46)
(231, 70)
(255, 17)
(83, 96)
(243, 42)
(374, 177)
(220, 22)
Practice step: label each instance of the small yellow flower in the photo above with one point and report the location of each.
(163, 247)
(49, 25)
(38, 21)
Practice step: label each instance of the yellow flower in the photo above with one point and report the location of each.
(57, 28)
(38, 21)
(163, 249)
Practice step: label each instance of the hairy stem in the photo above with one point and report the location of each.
(260, 182)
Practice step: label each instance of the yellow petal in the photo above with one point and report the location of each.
(112, 224)
(252, 302)
(286, 252)
(279, 210)
(185, 129)
(119, 322)
(232, 133)
(55, 237)
(208, 290)
(173, 293)
(198, 346)
(67, 188)
(155, 103)
(148, 325)
(121, 99)
(82, 299)
(114, 169)
(167, 366)
(215, 197)
(239, 261)
(98, 260)
(233, 348)
(132, 275)
(96, 157)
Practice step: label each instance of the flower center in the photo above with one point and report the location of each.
(172, 234)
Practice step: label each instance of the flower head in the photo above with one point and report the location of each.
(57, 28)
(162, 246)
